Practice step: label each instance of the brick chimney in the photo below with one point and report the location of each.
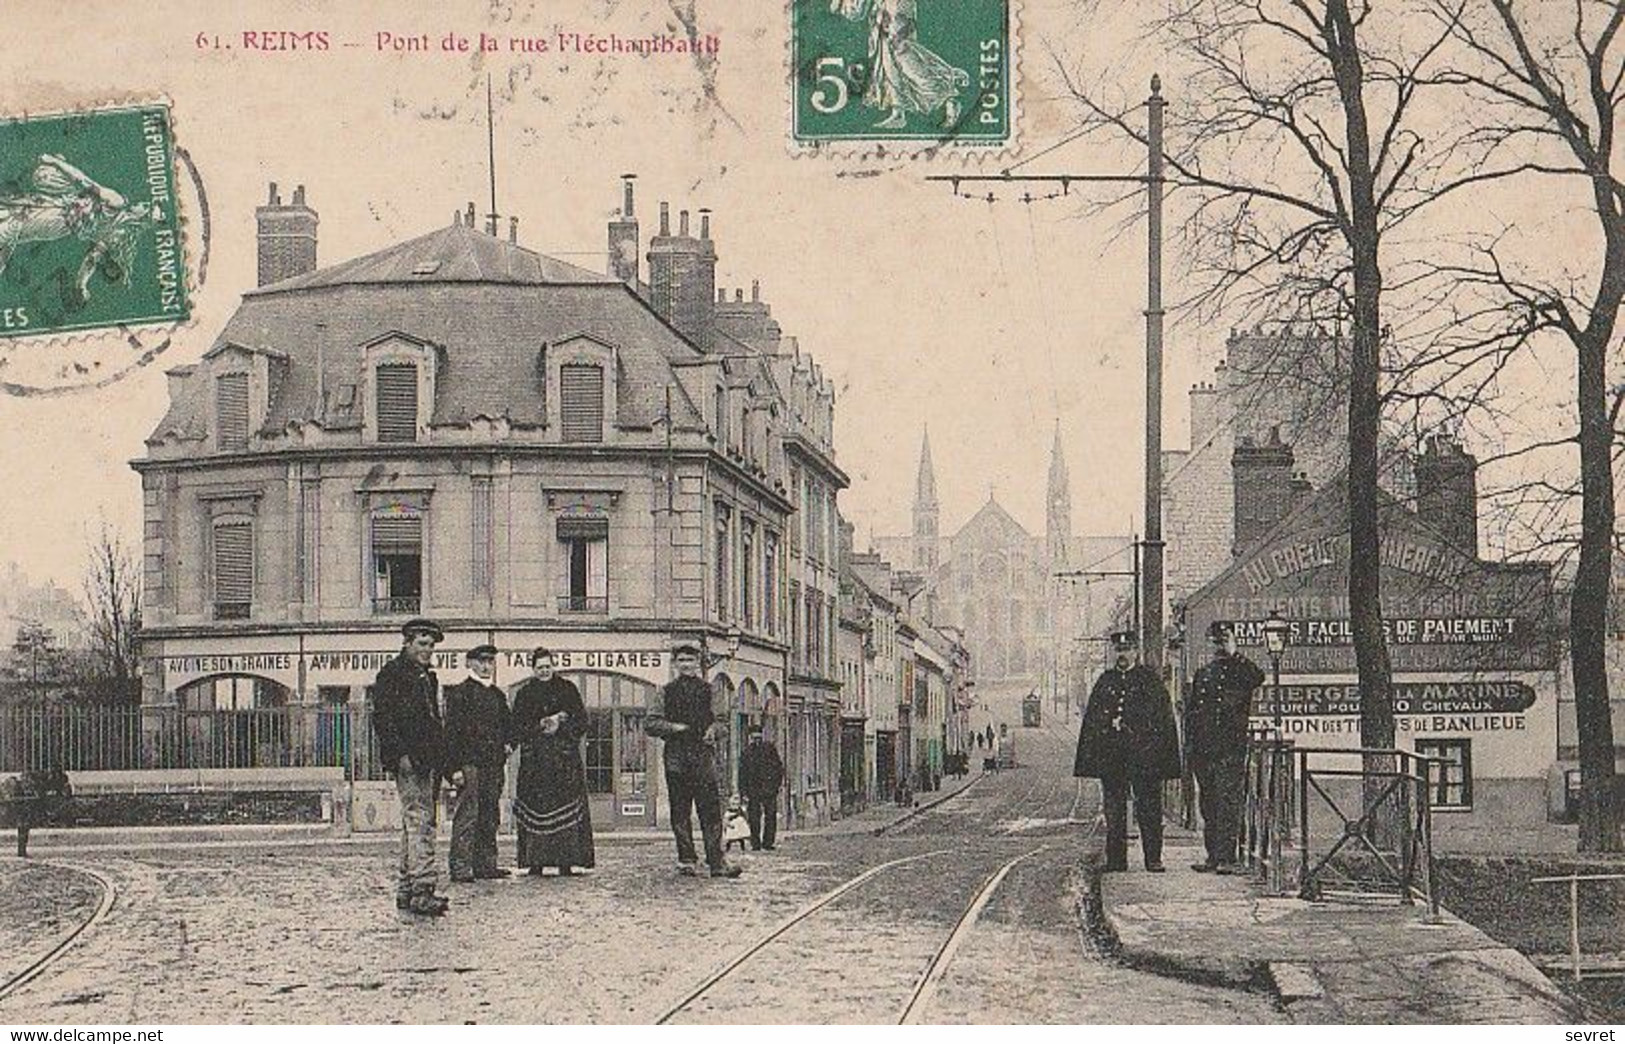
(1204, 411)
(683, 276)
(287, 237)
(623, 238)
(1447, 492)
(1262, 476)
(750, 321)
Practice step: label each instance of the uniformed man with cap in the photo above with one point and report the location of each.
(1129, 743)
(685, 716)
(1216, 713)
(477, 735)
(411, 741)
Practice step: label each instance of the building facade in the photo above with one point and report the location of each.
(529, 452)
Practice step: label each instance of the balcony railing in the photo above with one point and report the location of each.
(232, 610)
(93, 739)
(401, 604)
(583, 604)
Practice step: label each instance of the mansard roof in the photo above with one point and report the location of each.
(456, 254)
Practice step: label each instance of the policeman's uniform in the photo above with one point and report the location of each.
(1216, 713)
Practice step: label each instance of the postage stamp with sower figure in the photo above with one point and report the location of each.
(923, 71)
(90, 228)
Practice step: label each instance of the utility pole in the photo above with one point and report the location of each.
(1149, 580)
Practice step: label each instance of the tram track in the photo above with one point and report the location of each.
(61, 948)
(922, 987)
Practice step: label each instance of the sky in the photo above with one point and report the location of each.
(987, 322)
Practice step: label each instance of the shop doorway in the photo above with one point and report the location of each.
(621, 790)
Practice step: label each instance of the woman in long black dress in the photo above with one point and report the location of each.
(550, 805)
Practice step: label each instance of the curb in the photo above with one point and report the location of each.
(920, 810)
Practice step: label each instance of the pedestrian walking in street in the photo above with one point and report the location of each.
(1216, 713)
(761, 774)
(411, 741)
(1129, 743)
(683, 715)
(550, 806)
(477, 731)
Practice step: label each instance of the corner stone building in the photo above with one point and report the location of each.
(462, 428)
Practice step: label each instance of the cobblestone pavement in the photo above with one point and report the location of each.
(260, 935)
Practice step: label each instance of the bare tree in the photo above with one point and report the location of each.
(1302, 140)
(1548, 82)
(112, 614)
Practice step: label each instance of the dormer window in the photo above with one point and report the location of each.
(581, 402)
(398, 373)
(231, 412)
(397, 397)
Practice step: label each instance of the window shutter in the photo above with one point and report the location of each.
(397, 402)
(231, 410)
(581, 402)
(234, 564)
(397, 534)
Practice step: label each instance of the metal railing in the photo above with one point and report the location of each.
(1294, 794)
(1396, 799)
(583, 604)
(96, 739)
(1268, 815)
(1573, 881)
(397, 604)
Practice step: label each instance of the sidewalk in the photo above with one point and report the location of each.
(1331, 962)
(50, 841)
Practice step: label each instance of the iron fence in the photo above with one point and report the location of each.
(94, 739)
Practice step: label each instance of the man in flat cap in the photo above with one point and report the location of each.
(684, 715)
(1216, 712)
(1129, 743)
(411, 741)
(477, 733)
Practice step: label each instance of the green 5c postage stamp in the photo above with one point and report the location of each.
(90, 231)
(924, 71)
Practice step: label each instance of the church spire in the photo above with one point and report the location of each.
(925, 510)
(1058, 504)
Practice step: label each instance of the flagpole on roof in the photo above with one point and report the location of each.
(491, 147)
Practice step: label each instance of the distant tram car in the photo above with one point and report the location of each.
(1032, 711)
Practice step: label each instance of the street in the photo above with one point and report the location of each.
(310, 935)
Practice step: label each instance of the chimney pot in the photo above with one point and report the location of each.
(299, 195)
(273, 200)
(457, 218)
(469, 221)
(705, 223)
(626, 207)
(682, 222)
(739, 295)
(513, 230)
(665, 218)
(755, 290)
(722, 295)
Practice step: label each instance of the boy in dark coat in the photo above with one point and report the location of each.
(1128, 741)
(477, 733)
(411, 741)
(1216, 712)
(761, 775)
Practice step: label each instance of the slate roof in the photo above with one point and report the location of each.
(456, 254)
(488, 310)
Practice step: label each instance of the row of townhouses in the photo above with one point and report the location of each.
(533, 454)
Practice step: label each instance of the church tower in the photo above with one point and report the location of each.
(1058, 509)
(925, 511)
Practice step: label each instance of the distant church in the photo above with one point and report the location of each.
(1026, 628)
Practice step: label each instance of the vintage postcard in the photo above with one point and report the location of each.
(810, 512)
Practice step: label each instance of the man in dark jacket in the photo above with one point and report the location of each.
(761, 774)
(683, 715)
(477, 734)
(411, 741)
(1216, 712)
(1128, 742)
